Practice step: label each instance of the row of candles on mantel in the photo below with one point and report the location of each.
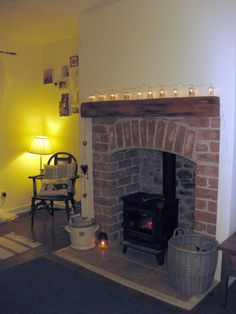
(149, 94)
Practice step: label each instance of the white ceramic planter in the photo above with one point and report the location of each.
(82, 237)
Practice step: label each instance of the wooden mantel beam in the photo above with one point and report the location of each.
(206, 106)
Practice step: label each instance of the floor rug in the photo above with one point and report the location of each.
(12, 244)
(132, 270)
(42, 286)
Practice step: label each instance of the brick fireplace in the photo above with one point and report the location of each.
(187, 127)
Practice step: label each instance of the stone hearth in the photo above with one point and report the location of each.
(190, 133)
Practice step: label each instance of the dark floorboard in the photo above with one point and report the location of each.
(47, 230)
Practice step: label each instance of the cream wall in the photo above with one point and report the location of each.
(29, 108)
(144, 42)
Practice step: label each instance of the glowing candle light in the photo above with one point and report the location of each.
(139, 95)
(162, 93)
(102, 241)
(191, 91)
(210, 91)
(102, 97)
(92, 98)
(127, 95)
(150, 94)
(175, 92)
(112, 96)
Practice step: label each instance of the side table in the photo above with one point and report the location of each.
(228, 266)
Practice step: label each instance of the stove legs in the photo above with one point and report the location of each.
(161, 258)
(160, 255)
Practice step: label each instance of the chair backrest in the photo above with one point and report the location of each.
(63, 158)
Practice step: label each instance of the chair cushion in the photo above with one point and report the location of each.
(55, 187)
(59, 171)
(57, 180)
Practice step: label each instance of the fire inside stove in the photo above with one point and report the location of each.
(148, 225)
(149, 219)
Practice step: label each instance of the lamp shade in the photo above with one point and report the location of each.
(41, 146)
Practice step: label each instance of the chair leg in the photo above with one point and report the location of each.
(32, 212)
(51, 208)
(73, 206)
(67, 209)
(224, 280)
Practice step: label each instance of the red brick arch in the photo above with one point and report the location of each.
(196, 139)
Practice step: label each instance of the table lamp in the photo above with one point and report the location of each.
(41, 146)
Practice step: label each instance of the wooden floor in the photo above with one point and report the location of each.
(51, 233)
(47, 230)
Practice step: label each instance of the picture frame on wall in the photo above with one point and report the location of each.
(74, 61)
(48, 76)
(64, 71)
(64, 105)
(75, 109)
(63, 84)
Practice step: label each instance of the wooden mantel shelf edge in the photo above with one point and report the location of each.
(205, 106)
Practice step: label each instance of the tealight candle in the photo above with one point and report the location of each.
(112, 96)
(191, 91)
(139, 95)
(101, 97)
(150, 94)
(92, 98)
(162, 93)
(210, 91)
(175, 92)
(102, 240)
(127, 95)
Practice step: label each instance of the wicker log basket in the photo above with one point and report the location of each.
(192, 260)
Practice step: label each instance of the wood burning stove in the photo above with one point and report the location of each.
(150, 219)
(149, 222)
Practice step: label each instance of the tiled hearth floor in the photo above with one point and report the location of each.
(134, 269)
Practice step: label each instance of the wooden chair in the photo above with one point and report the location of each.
(55, 185)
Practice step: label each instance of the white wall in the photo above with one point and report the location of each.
(137, 42)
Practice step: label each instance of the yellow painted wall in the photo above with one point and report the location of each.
(63, 131)
(20, 117)
(29, 108)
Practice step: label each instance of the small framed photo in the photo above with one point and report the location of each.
(75, 109)
(64, 106)
(74, 61)
(65, 71)
(48, 76)
(63, 84)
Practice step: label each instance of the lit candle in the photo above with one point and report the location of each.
(162, 93)
(102, 240)
(92, 98)
(139, 95)
(102, 244)
(150, 94)
(175, 92)
(191, 91)
(210, 91)
(112, 96)
(127, 95)
(101, 97)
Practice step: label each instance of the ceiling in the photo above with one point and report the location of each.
(43, 21)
